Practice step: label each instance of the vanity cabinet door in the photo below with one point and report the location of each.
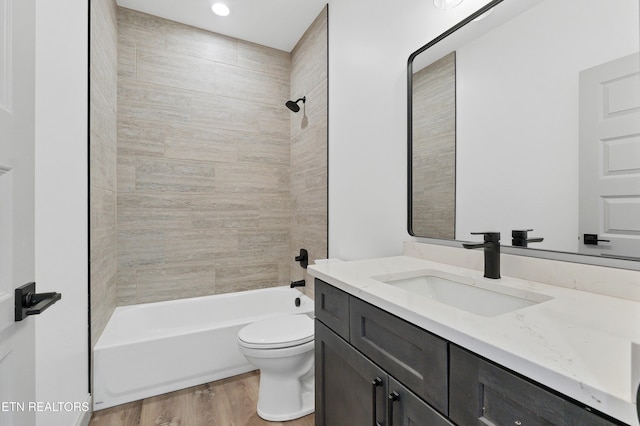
(332, 307)
(350, 389)
(415, 357)
(406, 409)
(482, 393)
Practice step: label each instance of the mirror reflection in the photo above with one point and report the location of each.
(529, 119)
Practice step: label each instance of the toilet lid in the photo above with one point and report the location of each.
(279, 332)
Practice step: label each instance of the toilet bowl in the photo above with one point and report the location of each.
(282, 349)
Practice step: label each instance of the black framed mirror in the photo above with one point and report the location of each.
(526, 115)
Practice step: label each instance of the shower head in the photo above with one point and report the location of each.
(293, 106)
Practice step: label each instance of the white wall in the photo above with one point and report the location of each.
(519, 76)
(61, 205)
(369, 44)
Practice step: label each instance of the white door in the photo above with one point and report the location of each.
(610, 157)
(17, 111)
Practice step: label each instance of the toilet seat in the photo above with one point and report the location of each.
(279, 332)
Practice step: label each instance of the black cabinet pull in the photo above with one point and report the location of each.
(393, 397)
(375, 383)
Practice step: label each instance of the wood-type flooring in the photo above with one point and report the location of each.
(227, 402)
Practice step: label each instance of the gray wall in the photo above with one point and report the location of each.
(204, 162)
(434, 149)
(103, 92)
(309, 147)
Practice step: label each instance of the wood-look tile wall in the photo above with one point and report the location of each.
(309, 147)
(434, 149)
(203, 153)
(103, 94)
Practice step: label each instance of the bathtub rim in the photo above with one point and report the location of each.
(104, 344)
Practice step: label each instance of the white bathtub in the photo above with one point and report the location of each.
(155, 348)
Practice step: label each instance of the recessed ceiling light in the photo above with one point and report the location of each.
(446, 4)
(220, 9)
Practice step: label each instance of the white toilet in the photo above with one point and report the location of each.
(282, 348)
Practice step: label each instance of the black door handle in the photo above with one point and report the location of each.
(592, 240)
(28, 302)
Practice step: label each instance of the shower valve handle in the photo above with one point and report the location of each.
(303, 258)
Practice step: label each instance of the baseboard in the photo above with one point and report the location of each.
(85, 416)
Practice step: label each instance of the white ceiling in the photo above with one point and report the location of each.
(274, 23)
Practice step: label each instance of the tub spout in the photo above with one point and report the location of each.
(300, 283)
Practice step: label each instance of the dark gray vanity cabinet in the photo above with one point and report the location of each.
(371, 374)
(414, 356)
(482, 393)
(332, 308)
(373, 368)
(406, 409)
(350, 389)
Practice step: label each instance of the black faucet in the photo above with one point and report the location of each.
(491, 248)
(520, 238)
(300, 283)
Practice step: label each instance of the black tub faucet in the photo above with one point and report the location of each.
(300, 283)
(491, 248)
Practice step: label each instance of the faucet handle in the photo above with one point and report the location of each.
(520, 238)
(489, 237)
(520, 233)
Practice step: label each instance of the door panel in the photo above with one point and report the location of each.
(17, 247)
(6, 242)
(345, 391)
(409, 410)
(610, 157)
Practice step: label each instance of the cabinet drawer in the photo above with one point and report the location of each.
(407, 409)
(483, 393)
(415, 357)
(332, 308)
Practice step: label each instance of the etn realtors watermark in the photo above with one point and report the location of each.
(38, 406)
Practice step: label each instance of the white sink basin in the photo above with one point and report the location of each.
(483, 298)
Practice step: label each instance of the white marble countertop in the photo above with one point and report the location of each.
(578, 343)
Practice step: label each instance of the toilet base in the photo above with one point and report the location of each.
(286, 398)
(287, 375)
(308, 407)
